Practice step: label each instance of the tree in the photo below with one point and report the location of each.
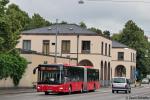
(133, 36)
(11, 23)
(116, 36)
(96, 30)
(63, 22)
(82, 24)
(37, 21)
(106, 33)
(3, 7)
(19, 20)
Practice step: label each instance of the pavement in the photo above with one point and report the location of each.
(4, 91)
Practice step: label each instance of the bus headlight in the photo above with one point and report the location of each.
(61, 88)
(38, 87)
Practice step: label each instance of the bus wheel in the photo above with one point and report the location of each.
(81, 89)
(46, 93)
(70, 89)
(94, 87)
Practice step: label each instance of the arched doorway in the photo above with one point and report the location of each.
(105, 71)
(85, 62)
(120, 71)
(108, 70)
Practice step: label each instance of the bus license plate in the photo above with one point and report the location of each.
(49, 91)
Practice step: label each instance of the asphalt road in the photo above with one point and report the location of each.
(139, 93)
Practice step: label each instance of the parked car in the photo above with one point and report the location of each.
(121, 84)
(145, 81)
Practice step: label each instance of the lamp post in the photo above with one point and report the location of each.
(55, 60)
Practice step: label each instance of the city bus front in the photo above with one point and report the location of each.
(50, 78)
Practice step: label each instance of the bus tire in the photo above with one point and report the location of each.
(94, 88)
(81, 89)
(46, 93)
(69, 90)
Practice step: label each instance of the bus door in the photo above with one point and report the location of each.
(85, 80)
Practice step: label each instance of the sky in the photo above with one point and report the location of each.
(103, 14)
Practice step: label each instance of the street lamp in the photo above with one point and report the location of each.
(81, 2)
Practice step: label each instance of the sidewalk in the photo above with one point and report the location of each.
(4, 91)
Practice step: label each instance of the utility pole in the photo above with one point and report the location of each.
(77, 49)
(55, 60)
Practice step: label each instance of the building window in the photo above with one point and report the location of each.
(46, 47)
(106, 49)
(120, 55)
(86, 46)
(27, 44)
(102, 48)
(65, 46)
(109, 49)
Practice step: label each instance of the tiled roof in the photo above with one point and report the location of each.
(116, 44)
(61, 29)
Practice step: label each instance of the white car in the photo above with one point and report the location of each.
(145, 81)
(121, 84)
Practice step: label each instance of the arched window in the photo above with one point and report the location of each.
(106, 49)
(85, 62)
(102, 47)
(120, 71)
(109, 50)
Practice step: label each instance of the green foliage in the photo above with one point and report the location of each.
(133, 36)
(116, 37)
(18, 19)
(106, 33)
(5, 66)
(3, 6)
(18, 69)
(1, 41)
(63, 22)
(82, 24)
(37, 21)
(12, 66)
(12, 21)
(96, 30)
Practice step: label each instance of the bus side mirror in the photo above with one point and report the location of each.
(34, 70)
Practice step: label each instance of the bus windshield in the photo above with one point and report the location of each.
(50, 77)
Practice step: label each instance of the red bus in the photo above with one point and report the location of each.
(59, 78)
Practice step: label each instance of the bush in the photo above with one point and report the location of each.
(12, 66)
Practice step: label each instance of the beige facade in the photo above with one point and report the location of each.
(123, 62)
(94, 56)
(99, 49)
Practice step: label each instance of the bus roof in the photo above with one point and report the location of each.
(66, 65)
